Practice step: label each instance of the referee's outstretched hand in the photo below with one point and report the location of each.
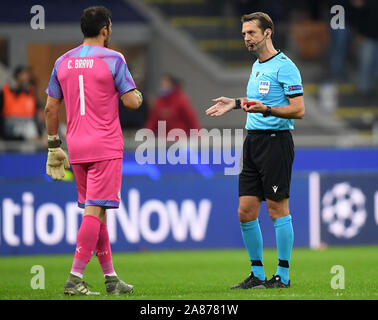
(222, 106)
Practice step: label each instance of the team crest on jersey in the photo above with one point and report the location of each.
(264, 87)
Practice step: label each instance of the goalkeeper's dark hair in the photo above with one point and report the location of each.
(93, 20)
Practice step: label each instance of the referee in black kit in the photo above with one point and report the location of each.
(274, 99)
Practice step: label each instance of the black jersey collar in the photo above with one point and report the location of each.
(278, 52)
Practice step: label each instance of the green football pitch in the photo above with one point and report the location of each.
(202, 275)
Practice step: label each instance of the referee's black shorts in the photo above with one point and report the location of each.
(267, 163)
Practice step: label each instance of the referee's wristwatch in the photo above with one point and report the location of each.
(267, 112)
(237, 104)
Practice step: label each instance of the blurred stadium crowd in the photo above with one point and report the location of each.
(339, 66)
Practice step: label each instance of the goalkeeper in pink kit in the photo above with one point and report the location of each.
(90, 78)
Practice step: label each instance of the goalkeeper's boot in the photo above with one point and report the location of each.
(75, 286)
(276, 282)
(116, 286)
(251, 282)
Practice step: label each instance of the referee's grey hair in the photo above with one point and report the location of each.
(265, 22)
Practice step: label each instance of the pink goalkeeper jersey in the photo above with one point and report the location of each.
(90, 78)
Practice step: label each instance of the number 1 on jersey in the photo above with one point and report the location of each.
(82, 98)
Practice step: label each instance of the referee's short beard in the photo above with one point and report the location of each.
(254, 50)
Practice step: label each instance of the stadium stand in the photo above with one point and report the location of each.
(199, 41)
(212, 28)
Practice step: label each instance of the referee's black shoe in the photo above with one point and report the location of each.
(276, 282)
(251, 282)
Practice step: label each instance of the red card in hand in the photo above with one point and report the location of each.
(249, 103)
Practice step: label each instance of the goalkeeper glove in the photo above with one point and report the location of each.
(57, 161)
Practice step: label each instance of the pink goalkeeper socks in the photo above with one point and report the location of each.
(87, 239)
(103, 251)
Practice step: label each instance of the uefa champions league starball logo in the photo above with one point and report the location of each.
(344, 210)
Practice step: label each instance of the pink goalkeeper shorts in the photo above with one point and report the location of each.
(98, 183)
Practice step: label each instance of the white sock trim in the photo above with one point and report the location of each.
(77, 274)
(113, 274)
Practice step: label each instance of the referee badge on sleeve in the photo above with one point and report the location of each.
(264, 87)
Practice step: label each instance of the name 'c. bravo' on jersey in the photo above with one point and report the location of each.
(91, 79)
